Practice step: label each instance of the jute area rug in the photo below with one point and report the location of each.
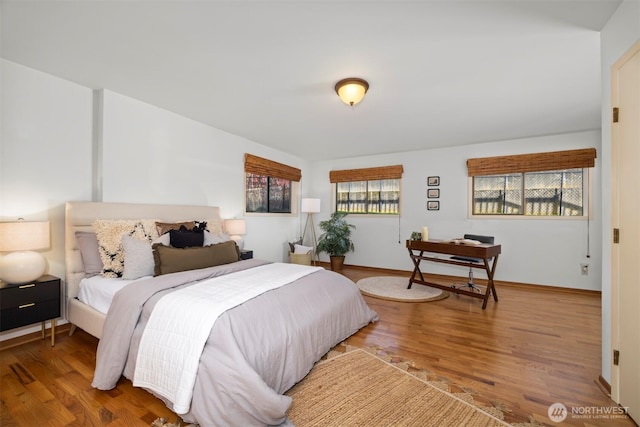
(359, 389)
(370, 387)
(394, 288)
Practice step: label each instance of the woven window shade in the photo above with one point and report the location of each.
(367, 174)
(557, 160)
(266, 167)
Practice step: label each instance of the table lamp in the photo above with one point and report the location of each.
(22, 238)
(236, 228)
(311, 206)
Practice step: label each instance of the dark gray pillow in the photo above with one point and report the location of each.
(88, 245)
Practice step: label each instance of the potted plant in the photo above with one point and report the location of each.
(336, 239)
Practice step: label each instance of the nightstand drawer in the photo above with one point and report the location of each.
(29, 313)
(18, 295)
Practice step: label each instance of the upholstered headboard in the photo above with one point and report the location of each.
(80, 215)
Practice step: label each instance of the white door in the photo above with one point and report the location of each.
(625, 216)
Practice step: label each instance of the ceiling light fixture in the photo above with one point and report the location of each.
(352, 90)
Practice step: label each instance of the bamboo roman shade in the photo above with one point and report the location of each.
(556, 160)
(367, 174)
(266, 167)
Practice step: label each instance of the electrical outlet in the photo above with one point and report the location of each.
(585, 269)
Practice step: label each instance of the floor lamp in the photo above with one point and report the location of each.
(311, 206)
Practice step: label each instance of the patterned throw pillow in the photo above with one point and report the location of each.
(109, 234)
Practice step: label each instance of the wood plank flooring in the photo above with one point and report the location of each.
(534, 347)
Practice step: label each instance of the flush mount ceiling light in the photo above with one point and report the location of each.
(352, 90)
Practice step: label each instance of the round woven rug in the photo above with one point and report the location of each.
(395, 289)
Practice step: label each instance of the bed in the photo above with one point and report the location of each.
(219, 345)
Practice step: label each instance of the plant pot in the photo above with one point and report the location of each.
(336, 263)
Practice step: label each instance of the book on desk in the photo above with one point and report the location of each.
(461, 241)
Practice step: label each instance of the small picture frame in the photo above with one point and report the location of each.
(433, 181)
(433, 193)
(433, 205)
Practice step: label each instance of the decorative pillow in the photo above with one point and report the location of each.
(212, 239)
(90, 252)
(292, 245)
(171, 260)
(138, 258)
(165, 227)
(214, 226)
(109, 234)
(299, 249)
(165, 239)
(184, 238)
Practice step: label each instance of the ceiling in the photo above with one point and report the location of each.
(441, 73)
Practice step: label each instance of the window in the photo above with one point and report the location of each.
(531, 184)
(269, 185)
(267, 194)
(550, 193)
(368, 191)
(369, 197)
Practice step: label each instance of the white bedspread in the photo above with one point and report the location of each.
(181, 322)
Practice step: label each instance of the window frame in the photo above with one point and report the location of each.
(587, 211)
(264, 167)
(534, 162)
(292, 199)
(377, 173)
(334, 188)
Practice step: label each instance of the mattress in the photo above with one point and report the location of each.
(98, 292)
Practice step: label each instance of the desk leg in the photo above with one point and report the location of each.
(491, 288)
(53, 332)
(416, 268)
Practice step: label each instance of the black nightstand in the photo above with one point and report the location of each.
(27, 303)
(246, 254)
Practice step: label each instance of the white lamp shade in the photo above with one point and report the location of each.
(24, 236)
(310, 206)
(235, 226)
(22, 267)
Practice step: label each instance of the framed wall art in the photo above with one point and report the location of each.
(433, 193)
(433, 181)
(433, 205)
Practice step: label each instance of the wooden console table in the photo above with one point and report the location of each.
(487, 252)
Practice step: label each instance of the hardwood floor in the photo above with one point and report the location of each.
(534, 347)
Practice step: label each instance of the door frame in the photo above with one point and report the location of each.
(615, 261)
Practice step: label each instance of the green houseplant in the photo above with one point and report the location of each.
(336, 239)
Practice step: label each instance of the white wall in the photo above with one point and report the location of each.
(151, 155)
(45, 153)
(618, 35)
(539, 251)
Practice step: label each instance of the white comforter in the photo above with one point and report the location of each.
(171, 345)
